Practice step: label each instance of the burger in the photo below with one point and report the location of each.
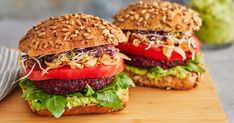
(70, 66)
(161, 44)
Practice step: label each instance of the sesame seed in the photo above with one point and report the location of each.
(145, 5)
(86, 34)
(76, 15)
(106, 32)
(58, 41)
(96, 25)
(164, 18)
(41, 34)
(40, 46)
(185, 20)
(43, 29)
(147, 16)
(131, 12)
(104, 23)
(67, 33)
(163, 4)
(177, 27)
(151, 10)
(65, 38)
(155, 4)
(66, 22)
(36, 28)
(140, 19)
(120, 19)
(132, 18)
(143, 11)
(72, 22)
(78, 23)
(82, 27)
(197, 20)
(89, 37)
(136, 16)
(164, 9)
(144, 23)
(66, 17)
(73, 35)
(76, 31)
(109, 40)
(64, 29)
(126, 16)
(35, 45)
(102, 27)
(45, 45)
(50, 42)
(67, 26)
(112, 31)
(88, 30)
(110, 36)
(53, 27)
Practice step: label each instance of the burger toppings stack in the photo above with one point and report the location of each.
(161, 44)
(71, 66)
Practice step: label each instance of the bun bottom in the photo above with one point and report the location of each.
(87, 109)
(167, 82)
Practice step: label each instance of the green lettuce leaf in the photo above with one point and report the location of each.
(109, 98)
(88, 90)
(56, 105)
(121, 80)
(124, 81)
(156, 72)
(194, 65)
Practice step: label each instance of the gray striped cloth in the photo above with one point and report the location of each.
(9, 71)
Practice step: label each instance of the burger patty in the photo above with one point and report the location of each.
(142, 62)
(58, 86)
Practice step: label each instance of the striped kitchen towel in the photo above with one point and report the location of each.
(9, 71)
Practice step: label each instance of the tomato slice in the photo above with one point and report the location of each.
(66, 73)
(154, 53)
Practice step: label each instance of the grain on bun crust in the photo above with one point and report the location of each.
(157, 15)
(64, 33)
(167, 82)
(87, 109)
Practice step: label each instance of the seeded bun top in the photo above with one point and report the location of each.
(157, 16)
(64, 33)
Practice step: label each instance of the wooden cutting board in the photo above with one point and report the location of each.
(199, 105)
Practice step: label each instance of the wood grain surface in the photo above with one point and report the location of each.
(199, 105)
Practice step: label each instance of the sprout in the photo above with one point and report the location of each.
(39, 64)
(24, 77)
